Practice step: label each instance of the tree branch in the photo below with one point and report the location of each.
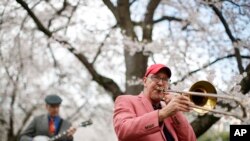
(52, 55)
(238, 5)
(65, 4)
(107, 83)
(209, 64)
(132, 2)
(148, 20)
(33, 16)
(124, 20)
(169, 18)
(112, 8)
(71, 15)
(230, 35)
(27, 117)
(102, 44)
(245, 82)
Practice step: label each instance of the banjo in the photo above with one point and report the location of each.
(45, 138)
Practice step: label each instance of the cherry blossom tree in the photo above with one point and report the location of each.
(93, 51)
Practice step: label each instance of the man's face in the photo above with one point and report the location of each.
(152, 85)
(53, 110)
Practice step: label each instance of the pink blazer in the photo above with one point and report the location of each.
(135, 119)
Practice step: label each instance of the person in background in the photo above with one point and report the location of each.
(49, 124)
(153, 115)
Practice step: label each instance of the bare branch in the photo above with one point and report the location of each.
(12, 109)
(238, 5)
(60, 11)
(169, 18)
(107, 83)
(223, 20)
(124, 20)
(71, 14)
(209, 64)
(148, 20)
(36, 20)
(65, 4)
(102, 44)
(112, 8)
(132, 2)
(25, 18)
(245, 87)
(230, 35)
(27, 117)
(137, 23)
(52, 55)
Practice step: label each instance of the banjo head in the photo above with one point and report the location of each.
(41, 138)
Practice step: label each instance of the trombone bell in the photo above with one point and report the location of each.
(203, 101)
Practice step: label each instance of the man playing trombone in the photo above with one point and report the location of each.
(153, 115)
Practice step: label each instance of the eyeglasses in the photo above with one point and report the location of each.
(157, 79)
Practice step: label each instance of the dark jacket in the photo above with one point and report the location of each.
(40, 127)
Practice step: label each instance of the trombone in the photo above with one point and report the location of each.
(204, 96)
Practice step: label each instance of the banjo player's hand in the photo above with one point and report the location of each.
(71, 131)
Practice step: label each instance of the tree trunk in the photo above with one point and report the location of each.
(135, 66)
(245, 83)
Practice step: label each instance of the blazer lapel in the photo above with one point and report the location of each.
(170, 128)
(45, 123)
(147, 104)
(61, 126)
(168, 122)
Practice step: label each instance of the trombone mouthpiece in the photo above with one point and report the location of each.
(161, 89)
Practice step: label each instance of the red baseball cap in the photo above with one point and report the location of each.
(153, 69)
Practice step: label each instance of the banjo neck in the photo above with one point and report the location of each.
(83, 124)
